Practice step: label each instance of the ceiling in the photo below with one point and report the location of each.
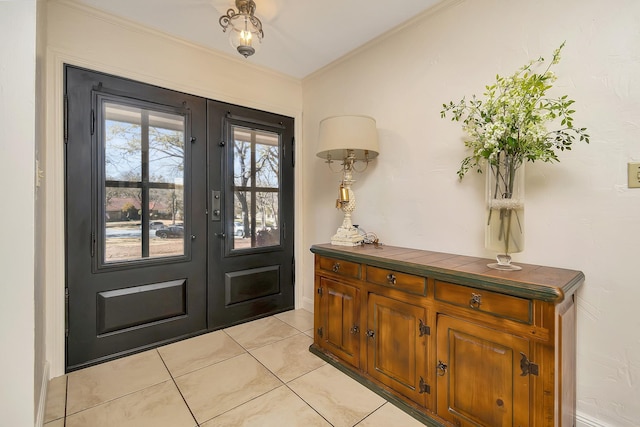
(300, 36)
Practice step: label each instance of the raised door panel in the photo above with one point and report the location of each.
(397, 346)
(479, 375)
(340, 309)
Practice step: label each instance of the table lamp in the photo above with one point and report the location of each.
(348, 140)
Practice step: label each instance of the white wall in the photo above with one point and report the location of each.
(579, 212)
(41, 376)
(87, 38)
(17, 147)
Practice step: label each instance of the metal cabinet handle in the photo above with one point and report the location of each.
(475, 301)
(442, 368)
(391, 278)
(354, 329)
(336, 267)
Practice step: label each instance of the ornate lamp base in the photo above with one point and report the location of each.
(347, 237)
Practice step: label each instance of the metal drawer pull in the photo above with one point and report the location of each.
(391, 278)
(475, 301)
(336, 267)
(442, 368)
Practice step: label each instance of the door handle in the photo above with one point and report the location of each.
(442, 368)
(215, 205)
(221, 235)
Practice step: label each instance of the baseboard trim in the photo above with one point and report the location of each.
(583, 420)
(42, 402)
(307, 304)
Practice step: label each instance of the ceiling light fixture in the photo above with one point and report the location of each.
(245, 29)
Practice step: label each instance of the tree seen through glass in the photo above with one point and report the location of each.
(144, 157)
(256, 180)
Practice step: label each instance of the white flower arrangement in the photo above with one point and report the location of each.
(506, 129)
(512, 120)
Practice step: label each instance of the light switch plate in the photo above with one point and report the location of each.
(633, 173)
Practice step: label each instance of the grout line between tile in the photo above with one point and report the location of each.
(282, 383)
(123, 395)
(293, 326)
(178, 388)
(307, 403)
(370, 413)
(66, 398)
(268, 344)
(243, 403)
(209, 365)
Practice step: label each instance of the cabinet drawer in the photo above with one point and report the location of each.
(500, 305)
(406, 282)
(341, 267)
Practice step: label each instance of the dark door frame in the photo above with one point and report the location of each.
(266, 270)
(283, 301)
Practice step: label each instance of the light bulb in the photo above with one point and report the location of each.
(245, 37)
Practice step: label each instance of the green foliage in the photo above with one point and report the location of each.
(131, 211)
(512, 119)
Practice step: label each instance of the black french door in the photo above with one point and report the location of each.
(148, 260)
(251, 260)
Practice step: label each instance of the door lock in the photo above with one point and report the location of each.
(215, 205)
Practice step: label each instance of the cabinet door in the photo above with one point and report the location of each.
(479, 377)
(397, 346)
(339, 330)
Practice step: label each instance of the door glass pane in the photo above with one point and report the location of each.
(122, 226)
(256, 186)
(242, 172)
(143, 183)
(242, 220)
(267, 230)
(166, 224)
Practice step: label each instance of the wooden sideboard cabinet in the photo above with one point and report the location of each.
(447, 339)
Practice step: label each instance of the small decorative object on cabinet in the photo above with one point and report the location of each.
(448, 339)
(506, 129)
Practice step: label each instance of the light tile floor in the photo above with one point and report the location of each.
(259, 373)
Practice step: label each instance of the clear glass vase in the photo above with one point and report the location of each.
(504, 232)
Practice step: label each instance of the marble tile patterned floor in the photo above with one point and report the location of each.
(256, 374)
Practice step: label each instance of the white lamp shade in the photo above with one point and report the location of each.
(340, 135)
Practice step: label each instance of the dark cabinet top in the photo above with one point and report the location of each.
(533, 281)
